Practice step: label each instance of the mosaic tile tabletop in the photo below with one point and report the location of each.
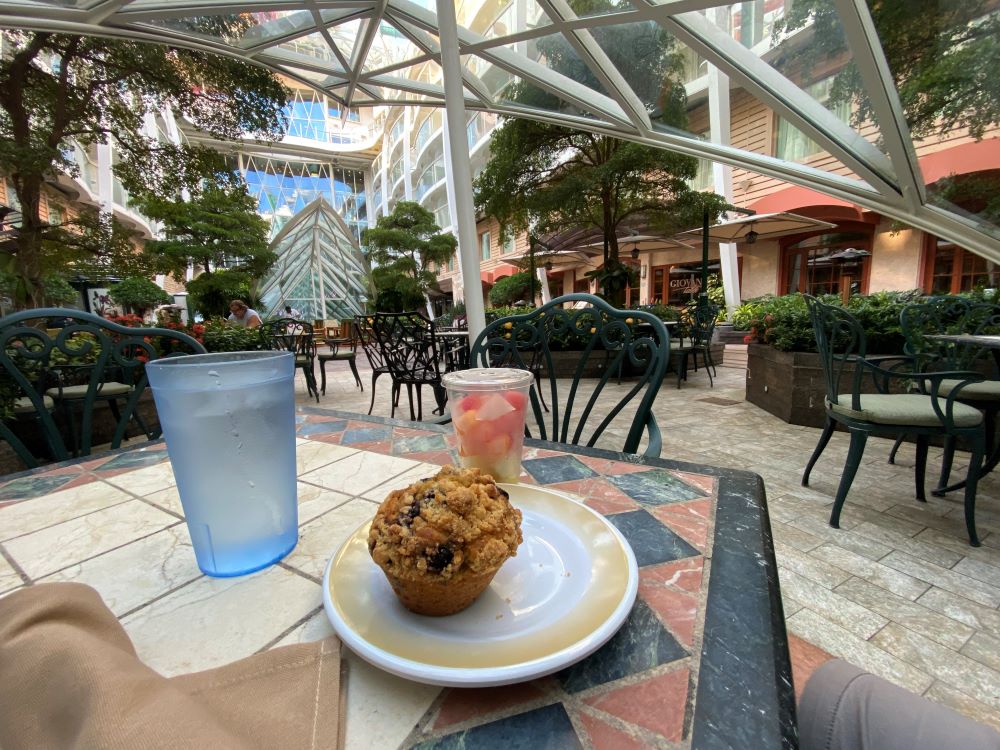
(701, 661)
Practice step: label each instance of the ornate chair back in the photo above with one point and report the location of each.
(597, 329)
(87, 360)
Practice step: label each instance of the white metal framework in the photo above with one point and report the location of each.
(377, 52)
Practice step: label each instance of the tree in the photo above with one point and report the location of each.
(217, 229)
(59, 88)
(139, 294)
(943, 57)
(553, 179)
(401, 246)
(511, 289)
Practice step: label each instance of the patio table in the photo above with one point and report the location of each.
(701, 662)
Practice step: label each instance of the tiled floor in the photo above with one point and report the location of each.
(897, 590)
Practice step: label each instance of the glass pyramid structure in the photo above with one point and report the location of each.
(321, 271)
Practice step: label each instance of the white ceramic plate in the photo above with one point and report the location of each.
(568, 590)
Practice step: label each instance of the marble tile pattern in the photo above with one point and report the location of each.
(116, 524)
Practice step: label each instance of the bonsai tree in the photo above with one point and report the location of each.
(554, 179)
(139, 294)
(220, 231)
(61, 89)
(511, 289)
(401, 246)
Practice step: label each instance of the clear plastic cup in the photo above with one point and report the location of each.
(488, 406)
(229, 423)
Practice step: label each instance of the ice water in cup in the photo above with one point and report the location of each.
(488, 408)
(229, 423)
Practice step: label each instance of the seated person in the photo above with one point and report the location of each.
(243, 316)
(291, 312)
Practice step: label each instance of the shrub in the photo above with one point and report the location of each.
(139, 293)
(784, 323)
(219, 336)
(511, 289)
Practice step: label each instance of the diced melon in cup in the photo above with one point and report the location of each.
(487, 410)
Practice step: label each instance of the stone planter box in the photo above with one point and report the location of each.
(789, 385)
(565, 363)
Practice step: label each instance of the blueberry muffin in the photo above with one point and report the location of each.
(441, 540)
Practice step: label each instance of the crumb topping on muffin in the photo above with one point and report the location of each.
(453, 524)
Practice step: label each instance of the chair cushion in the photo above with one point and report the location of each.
(903, 409)
(23, 405)
(986, 390)
(111, 388)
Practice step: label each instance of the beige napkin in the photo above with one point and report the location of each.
(70, 678)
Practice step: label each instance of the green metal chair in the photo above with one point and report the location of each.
(956, 315)
(527, 342)
(937, 410)
(65, 374)
(295, 336)
(699, 321)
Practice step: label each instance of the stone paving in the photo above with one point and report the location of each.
(897, 590)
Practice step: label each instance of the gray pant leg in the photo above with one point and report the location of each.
(845, 708)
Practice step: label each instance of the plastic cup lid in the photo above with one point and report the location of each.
(487, 379)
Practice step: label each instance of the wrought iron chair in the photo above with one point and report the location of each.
(410, 350)
(64, 373)
(841, 343)
(956, 315)
(343, 348)
(699, 320)
(366, 337)
(295, 336)
(521, 340)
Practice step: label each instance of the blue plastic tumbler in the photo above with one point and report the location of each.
(229, 423)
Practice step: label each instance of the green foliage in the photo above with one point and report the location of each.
(211, 293)
(219, 336)
(943, 57)
(784, 323)
(511, 289)
(58, 88)
(553, 179)
(218, 227)
(139, 293)
(401, 247)
(56, 291)
(661, 311)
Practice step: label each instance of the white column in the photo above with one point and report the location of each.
(722, 174)
(460, 186)
(458, 283)
(543, 278)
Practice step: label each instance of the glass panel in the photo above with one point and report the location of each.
(972, 194)
(806, 43)
(313, 45)
(495, 78)
(651, 61)
(345, 35)
(792, 143)
(484, 245)
(526, 94)
(389, 46)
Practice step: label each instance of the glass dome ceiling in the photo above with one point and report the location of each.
(321, 271)
(387, 52)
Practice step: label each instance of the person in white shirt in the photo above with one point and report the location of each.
(291, 312)
(243, 316)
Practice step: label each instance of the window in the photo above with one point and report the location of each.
(951, 269)
(704, 179)
(835, 263)
(484, 245)
(55, 214)
(792, 144)
(451, 263)
(508, 244)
